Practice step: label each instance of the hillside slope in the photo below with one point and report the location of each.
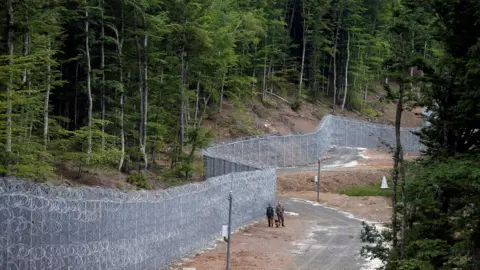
(276, 116)
(235, 121)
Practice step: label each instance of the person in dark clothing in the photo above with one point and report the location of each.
(270, 215)
(279, 209)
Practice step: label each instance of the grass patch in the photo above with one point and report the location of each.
(371, 190)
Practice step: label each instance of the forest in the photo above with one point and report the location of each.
(122, 83)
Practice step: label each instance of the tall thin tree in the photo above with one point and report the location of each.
(89, 86)
(10, 46)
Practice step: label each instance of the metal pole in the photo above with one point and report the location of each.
(230, 198)
(318, 181)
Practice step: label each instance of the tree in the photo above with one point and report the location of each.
(439, 215)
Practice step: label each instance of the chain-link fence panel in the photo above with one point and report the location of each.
(302, 149)
(51, 227)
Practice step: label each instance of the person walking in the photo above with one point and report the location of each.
(280, 211)
(270, 215)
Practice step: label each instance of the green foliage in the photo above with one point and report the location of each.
(139, 179)
(441, 221)
(370, 190)
(296, 105)
(159, 68)
(369, 111)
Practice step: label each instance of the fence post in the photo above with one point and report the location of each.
(214, 163)
(258, 150)
(318, 180)
(230, 198)
(291, 151)
(205, 167)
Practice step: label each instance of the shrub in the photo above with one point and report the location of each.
(296, 105)
(139, 179)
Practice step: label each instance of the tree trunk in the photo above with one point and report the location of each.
(270, 73)
(300, 84)
(335, 65)
(365, 97)
(10, 45)
(102, 68)
(425, 51)
(197, 96)
(140, 90)
(254, 66)
(122, 93)
(145, 101)
(26, 42)
(290, 22)
(221, 91)
(264, 86)
(26, 115)
(346, 71)
(397, 158)
(47, 100)
(404, 198)
(75, 105)
(328, 78)
(315, 70)
(182, 103)
(89, 87)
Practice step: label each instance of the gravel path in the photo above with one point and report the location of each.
(333, 241)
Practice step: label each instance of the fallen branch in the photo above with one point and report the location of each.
(279, 97)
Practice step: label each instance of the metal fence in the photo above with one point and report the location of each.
(51, 227)
(302, 149)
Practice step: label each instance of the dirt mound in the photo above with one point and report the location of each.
(331, 181)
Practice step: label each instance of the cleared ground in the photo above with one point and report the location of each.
(323, 235)
(315, 237)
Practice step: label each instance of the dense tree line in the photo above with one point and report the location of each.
(436, 222)
(122, 82)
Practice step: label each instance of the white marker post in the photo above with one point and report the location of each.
(384, 183)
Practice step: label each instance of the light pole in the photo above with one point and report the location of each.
(230, 199)
(318, 181)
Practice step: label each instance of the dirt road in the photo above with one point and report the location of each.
(316, 236)
(333, 240)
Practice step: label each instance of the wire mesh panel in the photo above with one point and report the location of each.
(302, 149)
(48, 227)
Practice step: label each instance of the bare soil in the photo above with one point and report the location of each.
(256, 247)
(369, 170)
(276, 116)
(71, 174)
(260, 247)
(331, 181)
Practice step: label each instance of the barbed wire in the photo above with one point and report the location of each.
(57, 227)
(60, 227)
(291, 150)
